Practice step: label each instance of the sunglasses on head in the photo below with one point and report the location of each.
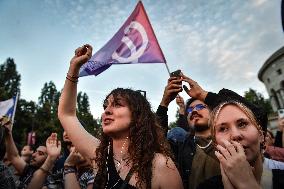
(197, 107)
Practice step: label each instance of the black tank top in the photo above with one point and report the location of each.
(115, 181)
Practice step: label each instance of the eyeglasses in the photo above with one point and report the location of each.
(197, 107)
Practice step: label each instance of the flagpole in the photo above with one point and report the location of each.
(15, 106)
(168, 68)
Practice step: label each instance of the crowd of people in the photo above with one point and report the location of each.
(221, 141)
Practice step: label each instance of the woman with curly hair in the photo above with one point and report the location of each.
(132, 151)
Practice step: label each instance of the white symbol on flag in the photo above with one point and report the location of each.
(135, 54)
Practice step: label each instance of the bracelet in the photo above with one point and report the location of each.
(69, 166)
(73, 81)
(69, 169)
(44, 170)
(72, 76)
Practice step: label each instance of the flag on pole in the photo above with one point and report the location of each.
(31, 139)
(135, 42)
(8, 108)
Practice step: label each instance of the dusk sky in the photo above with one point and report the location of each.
(218, 43)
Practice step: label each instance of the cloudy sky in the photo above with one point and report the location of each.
(218, 43)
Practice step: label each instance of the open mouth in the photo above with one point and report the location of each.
(107, 121)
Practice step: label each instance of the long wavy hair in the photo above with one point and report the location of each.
(146, 138)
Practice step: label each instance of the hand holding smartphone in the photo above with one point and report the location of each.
(176, 73)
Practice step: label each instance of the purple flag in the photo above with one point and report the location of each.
(135, 42)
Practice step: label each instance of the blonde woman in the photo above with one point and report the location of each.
(239, 143)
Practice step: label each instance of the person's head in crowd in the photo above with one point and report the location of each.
(197, 114)
(65, 137)
(26, 153)
(128, 116)
(177, 134)
(39, 156)
(66, 144)
(66, 141)
(269, 138)
(2, 143)
(233, 121)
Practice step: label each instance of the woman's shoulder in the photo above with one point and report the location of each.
(165, 173)
(161, 161)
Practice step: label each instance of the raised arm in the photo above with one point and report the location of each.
(181, 105)
(71, 166)
(11, 149)
(70, 170)
(82, 140)
(171, 90)
(195, 90)
(53, 148)
(182, 119)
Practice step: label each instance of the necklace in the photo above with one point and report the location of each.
(202, 147)
(119, 162)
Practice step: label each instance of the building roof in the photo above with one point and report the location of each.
(269, 61)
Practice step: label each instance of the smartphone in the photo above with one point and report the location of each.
(176, 73)
(281, 113)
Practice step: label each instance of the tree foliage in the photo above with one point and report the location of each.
(173, 124)
(257, 98)
(9, 79)
(40, 117)
(85, 116)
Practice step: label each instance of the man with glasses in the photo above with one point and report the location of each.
(195, 155)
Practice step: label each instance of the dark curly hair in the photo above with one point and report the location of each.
(146, 138)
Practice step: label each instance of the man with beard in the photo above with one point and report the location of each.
(32, 175)
(195, 155)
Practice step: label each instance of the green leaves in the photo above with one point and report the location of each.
(257, 98)
(40, 117)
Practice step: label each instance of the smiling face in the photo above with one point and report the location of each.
(116, 118)
(198, 118)
(233, 124)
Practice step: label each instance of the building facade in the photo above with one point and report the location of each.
(272, 75)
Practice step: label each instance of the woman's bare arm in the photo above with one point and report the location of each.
(84, 142)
